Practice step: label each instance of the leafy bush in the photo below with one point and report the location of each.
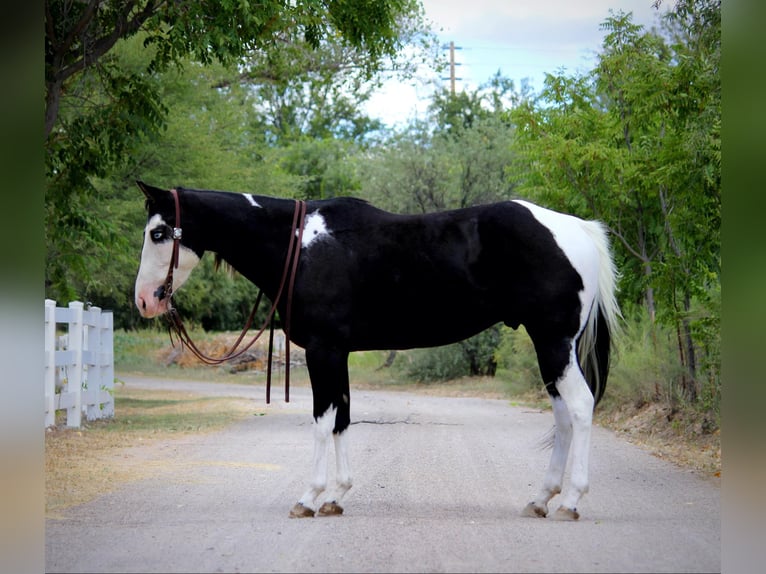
(516, 355)
(644, 366)
(472, 357)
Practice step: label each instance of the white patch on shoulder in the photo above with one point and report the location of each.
(251, 200)
(314, 229)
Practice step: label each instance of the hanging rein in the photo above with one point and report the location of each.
(288, 277)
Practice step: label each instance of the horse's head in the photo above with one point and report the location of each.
(152, 296)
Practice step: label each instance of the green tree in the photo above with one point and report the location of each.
(455, 158)
(97, 111)
(637, 144)
(206, 143)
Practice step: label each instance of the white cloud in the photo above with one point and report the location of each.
(521, 38)
(486, 18)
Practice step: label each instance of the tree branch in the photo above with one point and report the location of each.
(57, 72)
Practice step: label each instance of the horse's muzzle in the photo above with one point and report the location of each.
(154, 304)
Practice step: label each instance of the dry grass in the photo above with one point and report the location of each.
(81, 464)
(680, 437)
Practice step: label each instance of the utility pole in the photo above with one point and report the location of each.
(452, 65)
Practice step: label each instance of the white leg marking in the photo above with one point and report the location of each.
(579, 402)
(251, 200)
(554, 476)
(322, 432)
(343, 479)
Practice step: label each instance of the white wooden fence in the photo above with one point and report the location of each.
(79, 364)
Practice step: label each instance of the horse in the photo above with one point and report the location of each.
(367, 279)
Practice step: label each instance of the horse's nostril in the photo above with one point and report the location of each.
(143, 304)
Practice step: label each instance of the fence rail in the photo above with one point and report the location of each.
(79, 364)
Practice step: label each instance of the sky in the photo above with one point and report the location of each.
(524, 39)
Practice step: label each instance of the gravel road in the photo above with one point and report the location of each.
(439, 484)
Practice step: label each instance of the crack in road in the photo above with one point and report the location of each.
(402, 422)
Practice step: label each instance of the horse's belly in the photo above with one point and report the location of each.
(414, 330)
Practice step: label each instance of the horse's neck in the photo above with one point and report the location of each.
(251, 239)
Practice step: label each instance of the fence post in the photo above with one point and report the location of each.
(93, 341)
(106, 354)
(50, 362)
(74, 378)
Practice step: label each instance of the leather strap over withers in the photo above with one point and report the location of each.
(291, 267)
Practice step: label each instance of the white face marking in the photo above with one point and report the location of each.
(251, 200)
(155, 260)
(314, 229)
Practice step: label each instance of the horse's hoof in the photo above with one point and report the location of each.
(330, 509)
(534, 511)
(563, 513)
(300, 511)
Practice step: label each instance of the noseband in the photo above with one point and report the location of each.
(288, 277)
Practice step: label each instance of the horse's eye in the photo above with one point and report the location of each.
(158, 234)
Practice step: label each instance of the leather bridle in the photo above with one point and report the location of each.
(288, 278)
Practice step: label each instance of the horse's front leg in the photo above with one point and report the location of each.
(322, 432)
(329, 382)
(343, 482)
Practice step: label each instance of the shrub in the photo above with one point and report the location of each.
(475, 356)
(516, 355)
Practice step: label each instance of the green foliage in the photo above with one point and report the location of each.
(516, 355)
(481, 350)
(219, 300)
(91, 139)
(636, 143)
(152, 90)
(322, 166)
(475, 356)
(456, 159)
(434, 364)
(645, 367)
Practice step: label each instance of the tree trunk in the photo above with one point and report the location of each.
(690, 384)
(52, 97)
(388, 362)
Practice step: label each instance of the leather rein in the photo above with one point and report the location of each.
(288, 278)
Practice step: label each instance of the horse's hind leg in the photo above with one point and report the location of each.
(579, 402)
(554, 476)
(573, 411)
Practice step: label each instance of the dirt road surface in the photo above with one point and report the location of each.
(439, 484)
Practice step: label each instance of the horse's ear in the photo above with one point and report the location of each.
(150, 191)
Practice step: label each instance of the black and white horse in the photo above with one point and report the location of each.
(369, 279)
